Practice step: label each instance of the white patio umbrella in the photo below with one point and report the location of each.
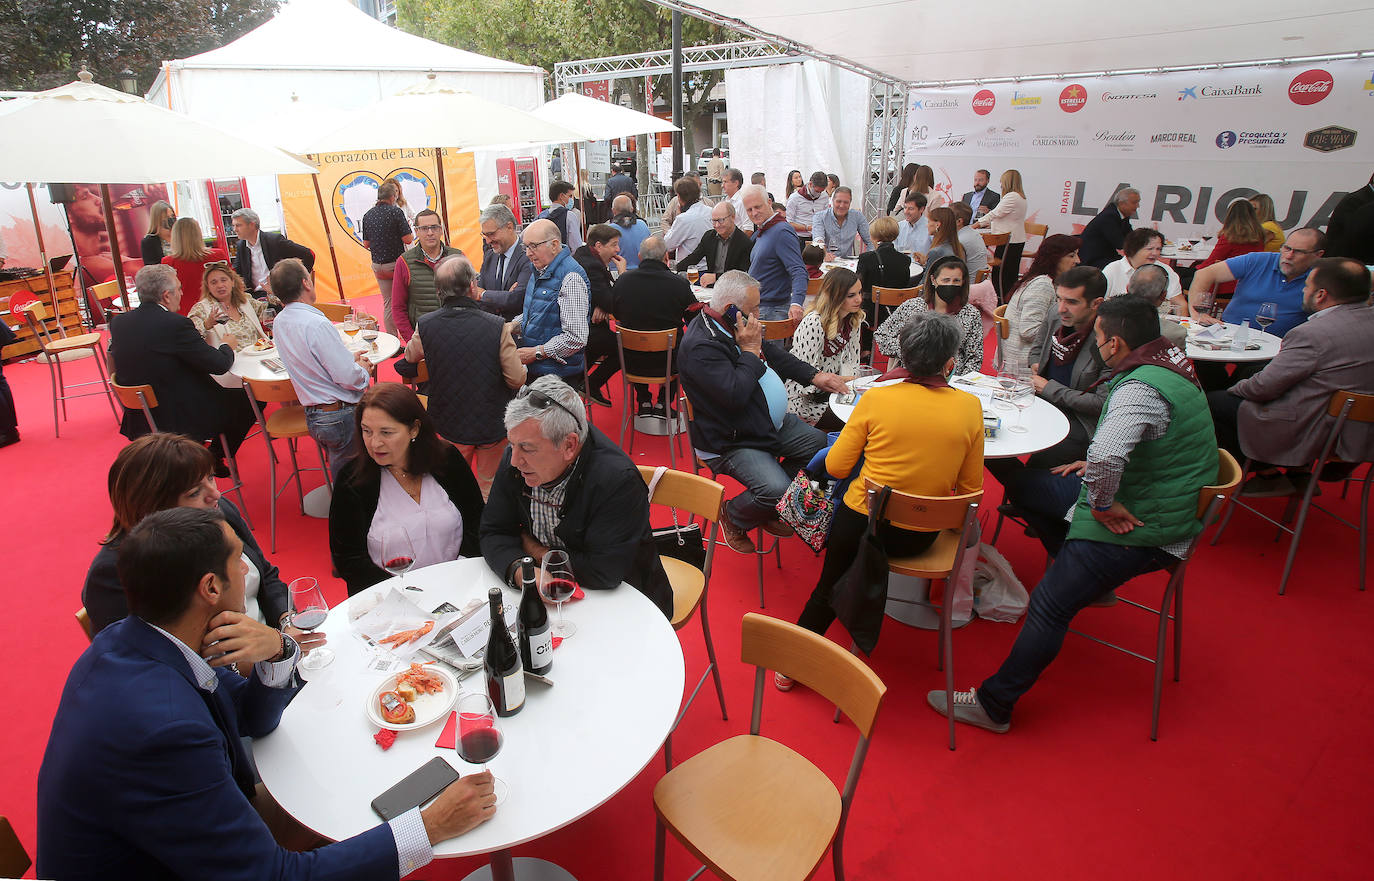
(88, 133)
(596, 120)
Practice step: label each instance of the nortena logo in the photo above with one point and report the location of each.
(1128, 96)
(1072, 99)
(983, 102)
(1310, 86)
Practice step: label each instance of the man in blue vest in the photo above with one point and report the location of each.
(553, 328)
(1136, 509)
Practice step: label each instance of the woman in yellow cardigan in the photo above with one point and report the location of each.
(920, 436)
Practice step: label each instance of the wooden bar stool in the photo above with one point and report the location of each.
(35, 314)
(650, 342)
(287, 422)
(142, 397)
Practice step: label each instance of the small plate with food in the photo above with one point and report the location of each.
(260, 347)
(420, 695)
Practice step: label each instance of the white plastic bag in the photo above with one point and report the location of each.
(998, 594)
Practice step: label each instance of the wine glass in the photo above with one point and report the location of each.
(1021, 397)
(1266, 314)
(398, 554)
(556, 584)
(479, 738)
(308, 611)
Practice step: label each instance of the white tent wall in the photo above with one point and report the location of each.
(808, 116)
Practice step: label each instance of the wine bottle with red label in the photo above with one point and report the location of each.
(536, 640)
(505, 675)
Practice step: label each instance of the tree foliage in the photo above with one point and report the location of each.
(43, 43)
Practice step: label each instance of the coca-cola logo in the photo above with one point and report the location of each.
(983, 102)
(1072, 99)
(1310, 86)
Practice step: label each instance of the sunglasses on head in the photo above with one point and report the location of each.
(542, 401)
(216, 264)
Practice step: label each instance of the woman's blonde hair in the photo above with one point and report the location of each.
(400, 193)
(157, 216)
(187, 242)
(835, 288)
(883, 229)
(1242, 225)
(1011, 183)
(924, 180)
(239, 295)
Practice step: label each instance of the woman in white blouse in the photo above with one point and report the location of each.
(1141, 246)
(1008, 217)
(1030, 306)
(409, 484)
(223, 296)
(827, 338)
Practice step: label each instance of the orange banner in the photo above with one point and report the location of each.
(348, 185)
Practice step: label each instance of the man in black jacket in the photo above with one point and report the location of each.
(1105, 235)
(740, 426)
(597, 256)
(724, 246)
(153, 345)
(257, 252)
(564, 484)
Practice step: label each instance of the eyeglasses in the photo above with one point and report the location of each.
(537, 245)
(490, 235)
(542, 401)
(430, 227)
(1289, 249)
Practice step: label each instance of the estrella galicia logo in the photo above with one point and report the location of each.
(1226, 140)
(1185, 94)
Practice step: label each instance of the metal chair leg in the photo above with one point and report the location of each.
(660, 846)
(1364, 524)
(947, 651)
(758, 557)
(711, 657)
(1231, 504)
(52, 380)
(103, 367)
(272, 491)
(1161, 635)
(1304, 509)
(296, 472)
(324, 468)
(233, 463)
(62, 385)
(1178, 631)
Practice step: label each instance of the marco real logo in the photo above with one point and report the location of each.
(1072, 99)
(983, 102)
(1310, 86)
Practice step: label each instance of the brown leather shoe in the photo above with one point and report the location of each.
(735, 538)
(779, 528)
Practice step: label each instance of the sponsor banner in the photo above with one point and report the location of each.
(1192, 142)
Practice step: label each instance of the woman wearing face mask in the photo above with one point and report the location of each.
(158, 242)
(946, 292)
(827, 338)
(920, 436)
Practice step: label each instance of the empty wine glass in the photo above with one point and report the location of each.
(556, 584)
(479, 737)
(1266, 314)
(308, 610)
(1021, 397)
(398, 554)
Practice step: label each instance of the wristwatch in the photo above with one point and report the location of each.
(288, 648)
(539, 353)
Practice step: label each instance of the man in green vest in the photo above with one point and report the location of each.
(412, 288)
(1153, 452)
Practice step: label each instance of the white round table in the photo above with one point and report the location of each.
(1045, 424)
(618, 686)
(1198, 253)
(1268, 348)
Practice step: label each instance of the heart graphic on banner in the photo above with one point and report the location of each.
(356, 193)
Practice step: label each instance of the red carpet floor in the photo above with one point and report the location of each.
(1262, 769)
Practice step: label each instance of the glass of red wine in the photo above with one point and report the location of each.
(556, 584)
(308, 612)
(479, 738)
(398, 554)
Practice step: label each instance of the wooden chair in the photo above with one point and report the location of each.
(1003, 328)
(1035, 230)
(335, 311)
(53, 349)
(750, 807)
(84, 619)
(760, 550)
(1344, 407)
(1209, 505)
(142, 397)
(993, 241)
(700, 498)
(662, 342)
(421, 372)
(287, 422)
(953, 517)
(782, 329)
(887, 298)
(813, 289)
(981, 276)
(14, 860)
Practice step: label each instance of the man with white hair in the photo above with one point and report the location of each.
(505, 268)
(1105, 235)
(563, 484)
(740, 424)
(257, 251)
(776, 260)
(154, 345)
(553, 328)
(724, 247)
(1151, 283)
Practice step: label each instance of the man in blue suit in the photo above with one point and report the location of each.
(145, 775)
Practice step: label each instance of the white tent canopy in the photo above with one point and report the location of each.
(915, 41)
(596, 120)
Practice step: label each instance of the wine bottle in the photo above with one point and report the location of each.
(536, 642)
(505, 676)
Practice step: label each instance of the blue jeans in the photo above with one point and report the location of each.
(335, 431)
(1042, 496)
(1081, 573)
(774, 312)
(764, 479)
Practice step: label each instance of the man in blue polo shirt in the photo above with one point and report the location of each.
(1263, 277)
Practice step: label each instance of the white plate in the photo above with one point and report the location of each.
(429, 708)
(254, 350)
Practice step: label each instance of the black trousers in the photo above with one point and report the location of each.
(1004, 276)
(9, 421)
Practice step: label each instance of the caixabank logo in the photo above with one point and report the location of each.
(1238, 90)
(1310, 86)
(1329, 139)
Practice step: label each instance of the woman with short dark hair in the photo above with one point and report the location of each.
(946, 292)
